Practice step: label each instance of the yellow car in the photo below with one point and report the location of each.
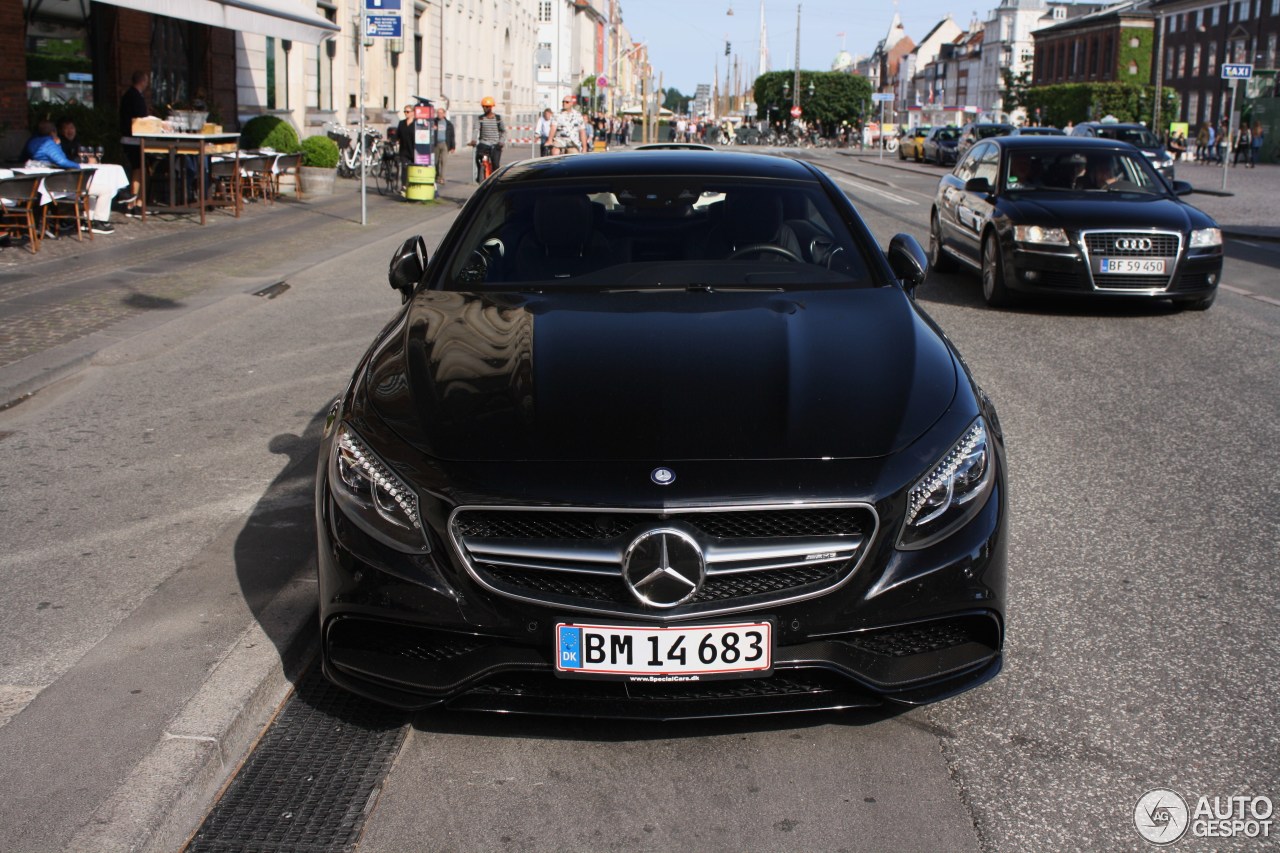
(910, 143)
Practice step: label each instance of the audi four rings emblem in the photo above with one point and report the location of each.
(664, 567)
(663, 476)
(1133, 244)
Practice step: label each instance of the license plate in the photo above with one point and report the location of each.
(688, 653)
(1133, 266)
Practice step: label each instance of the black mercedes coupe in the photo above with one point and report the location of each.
(661, 435)
(1073, 217)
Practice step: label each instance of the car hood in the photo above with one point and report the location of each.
(1072, 210)
(661, 376)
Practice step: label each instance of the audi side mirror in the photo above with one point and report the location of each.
(978, 185)
(908, 262)
(407, 266)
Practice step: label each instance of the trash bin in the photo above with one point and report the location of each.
(422, 183)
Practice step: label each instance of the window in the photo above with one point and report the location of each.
(1243, 13)
(1195, 60)
(1168, 63)
(1182, 61)
(1193, 107)
(1213, 58)
(1217, 13)
(1060, 12)
(1275, 7)
(1271, 51)
(1208, 106)
(544, 49)
(544, 11)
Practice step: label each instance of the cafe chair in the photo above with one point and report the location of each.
(255, 177)
(68, 194)
(19, 209)
(225, 184)
(288, 164)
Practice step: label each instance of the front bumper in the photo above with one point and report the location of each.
(1066, 271)
(908, 627)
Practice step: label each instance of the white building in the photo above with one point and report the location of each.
(1007, 43)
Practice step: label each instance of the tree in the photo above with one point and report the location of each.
(837, 97)
(676, 102)
(1013, 89)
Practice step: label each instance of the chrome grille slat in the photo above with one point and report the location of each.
(1101, 243)
(572, 557)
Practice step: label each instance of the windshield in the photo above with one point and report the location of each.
(947, 133)
(631, 233)
(1139, 136)
(991, 130)
(1068, 170)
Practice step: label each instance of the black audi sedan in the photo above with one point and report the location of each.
(940, 145)
(661, 437)
(1073, 217)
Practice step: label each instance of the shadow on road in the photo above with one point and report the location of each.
(965, 291)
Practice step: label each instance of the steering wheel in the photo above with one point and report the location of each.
(765, 247)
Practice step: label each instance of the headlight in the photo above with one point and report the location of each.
(1203, 238)
(1040, 234)
(950, 494)
(372, 496)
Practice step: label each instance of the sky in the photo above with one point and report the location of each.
(686, 37)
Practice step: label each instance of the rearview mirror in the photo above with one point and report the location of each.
(908, 262)
(407, 265)
(1182, 188)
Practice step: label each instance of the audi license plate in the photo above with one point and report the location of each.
(1133, 266)
(688, 653)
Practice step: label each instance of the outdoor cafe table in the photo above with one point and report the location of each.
(199, 145)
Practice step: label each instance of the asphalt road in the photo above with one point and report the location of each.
(166, 486)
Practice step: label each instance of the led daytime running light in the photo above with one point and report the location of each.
(945, 470)
(358, 456)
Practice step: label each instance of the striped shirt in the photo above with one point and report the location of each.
(491, 130)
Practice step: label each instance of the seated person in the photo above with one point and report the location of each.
(1024, 172)
(1101, 174)
(44, 149)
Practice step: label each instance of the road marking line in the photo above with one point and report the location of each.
(1266, 299)
(1238, 290)
(876, 191)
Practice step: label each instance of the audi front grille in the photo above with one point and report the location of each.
(1132, 244)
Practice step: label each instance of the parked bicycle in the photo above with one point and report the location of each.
(389, 173)
(355, 154)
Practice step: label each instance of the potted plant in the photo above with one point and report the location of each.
(319, 165)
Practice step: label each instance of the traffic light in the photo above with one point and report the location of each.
(726, 48)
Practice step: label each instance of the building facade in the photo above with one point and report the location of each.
(1111, 45)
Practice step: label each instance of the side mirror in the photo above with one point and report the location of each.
(908, 262)
(1183, 188)
(978, 185)
(407, 265)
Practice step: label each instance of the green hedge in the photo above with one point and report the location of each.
(1076, 102)
(269, 132)
(319, 151)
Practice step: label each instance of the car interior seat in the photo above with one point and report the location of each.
(564, 241)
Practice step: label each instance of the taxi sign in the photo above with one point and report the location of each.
(1237, 71)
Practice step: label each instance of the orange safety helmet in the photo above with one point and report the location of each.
(487, 101)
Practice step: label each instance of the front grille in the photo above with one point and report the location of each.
(1193, 281)
(573, 558)
(1116, 281)
(1103, 244)
(404, 642)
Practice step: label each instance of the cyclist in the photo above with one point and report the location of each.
(491, 135)
(567, 130)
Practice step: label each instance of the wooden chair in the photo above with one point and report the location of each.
(255, 177)
(69, 201)
(288, 164)
(19, 207)
(225, 184)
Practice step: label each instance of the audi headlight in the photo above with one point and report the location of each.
(372, 496)
(1204, 238)
(1040, 234)
(951, 493)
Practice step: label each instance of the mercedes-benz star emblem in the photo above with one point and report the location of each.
(663, 476)
(664, 567)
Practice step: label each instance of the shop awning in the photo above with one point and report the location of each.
(285, 19)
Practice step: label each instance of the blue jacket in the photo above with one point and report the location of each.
(47, 149)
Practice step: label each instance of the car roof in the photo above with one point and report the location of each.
(1058, 142)
(673, 162)
(989, 124)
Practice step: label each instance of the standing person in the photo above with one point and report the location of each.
(445, 144)
(491, 135)
(544, 133)
(404, 142)
(133, 104)
(567, 131)
(1255, 145)
(1244, 146)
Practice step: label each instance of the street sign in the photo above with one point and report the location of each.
(795, 112)
(1236, 71)
(383, 26)
(382, 5)
(882, 97)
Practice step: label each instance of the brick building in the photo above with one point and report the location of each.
(1111, 45)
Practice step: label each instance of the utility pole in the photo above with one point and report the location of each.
(795, 83)
(1155, 110)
